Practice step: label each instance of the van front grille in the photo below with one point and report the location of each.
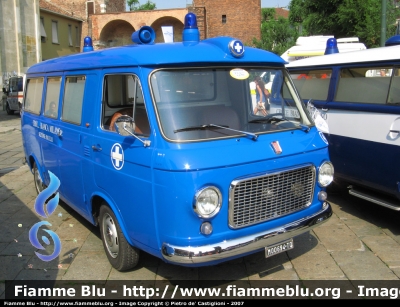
(258, 199)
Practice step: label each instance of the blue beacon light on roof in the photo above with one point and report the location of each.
(87, 44)
(331, 46)
(145, 35)
(191, 31)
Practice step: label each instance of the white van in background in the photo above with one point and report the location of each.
(309, 46)
(358, 94)
(14, 90)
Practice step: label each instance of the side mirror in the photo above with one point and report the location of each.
(125, 125)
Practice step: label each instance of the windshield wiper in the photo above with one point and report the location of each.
(202, 127)
(277, 119)
(269, 120)
(213, 126)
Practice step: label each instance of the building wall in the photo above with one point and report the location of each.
(80, 9)
(115, 29)
(243, 18)
(19, 36)
(52, 50)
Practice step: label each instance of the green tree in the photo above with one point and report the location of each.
(277, 35)
(134, 5)
(343, 18)
(148, 6)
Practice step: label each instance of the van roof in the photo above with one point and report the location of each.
(378, 54)
(208, 51)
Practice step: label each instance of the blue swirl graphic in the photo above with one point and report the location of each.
(45, 194)
(40, 209)
(35, 242)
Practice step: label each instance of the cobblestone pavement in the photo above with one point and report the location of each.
(360, 242)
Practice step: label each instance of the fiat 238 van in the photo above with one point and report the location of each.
(159, 145)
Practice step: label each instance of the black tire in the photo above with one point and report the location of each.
(9, 111)
(120, 253)
(39, 185)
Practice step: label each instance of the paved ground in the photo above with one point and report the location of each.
(360, 242)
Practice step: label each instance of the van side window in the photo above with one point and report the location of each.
(52, 96)
(394, 94)
(312, 84)
(123, 93)
(364, 85)
(73, 99)
(33, 97)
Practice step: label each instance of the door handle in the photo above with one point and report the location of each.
(95, 148)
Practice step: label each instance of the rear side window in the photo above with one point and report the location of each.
(364, 85)
(33, 96)
(312, 84)
(52, 96)
(73, 99)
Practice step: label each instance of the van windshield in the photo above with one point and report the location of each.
(206, 103)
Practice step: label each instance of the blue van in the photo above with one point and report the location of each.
(159, 145)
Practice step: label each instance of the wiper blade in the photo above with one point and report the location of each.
(202, 127)
(213, 126)
(279, 119)
(269, 120)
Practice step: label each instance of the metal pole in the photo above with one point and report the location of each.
(383, 23)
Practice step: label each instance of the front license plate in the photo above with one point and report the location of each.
(278, 248)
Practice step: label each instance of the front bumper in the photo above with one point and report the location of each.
(243, 245)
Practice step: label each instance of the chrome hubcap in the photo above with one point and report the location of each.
(38, 181)
(110, 235)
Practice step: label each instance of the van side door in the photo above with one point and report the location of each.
(122, 163)
(49, 124)
(72, 134)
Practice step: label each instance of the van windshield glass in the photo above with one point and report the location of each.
(198, 104)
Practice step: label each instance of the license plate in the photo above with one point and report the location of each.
(289, 112)
(278, 248)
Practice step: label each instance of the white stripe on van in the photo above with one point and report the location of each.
(363, 125)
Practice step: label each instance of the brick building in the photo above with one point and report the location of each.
(108, 24)
(236, 18)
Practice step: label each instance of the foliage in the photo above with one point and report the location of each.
(276, 34)
(134, 5)
(343, 18)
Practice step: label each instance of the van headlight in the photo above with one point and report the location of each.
(325, 174)
(207, 202)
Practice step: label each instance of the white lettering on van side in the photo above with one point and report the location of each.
(56, 130)
(44, 127)
(46, 137)
(52, 129)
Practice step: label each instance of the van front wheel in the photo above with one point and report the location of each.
(120, 253)
(39, 185)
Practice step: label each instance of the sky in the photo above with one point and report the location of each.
(175, 4)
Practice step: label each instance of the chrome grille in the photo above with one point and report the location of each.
(258, 199)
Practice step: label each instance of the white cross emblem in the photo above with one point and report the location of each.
(238, 47)
(117, 156)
